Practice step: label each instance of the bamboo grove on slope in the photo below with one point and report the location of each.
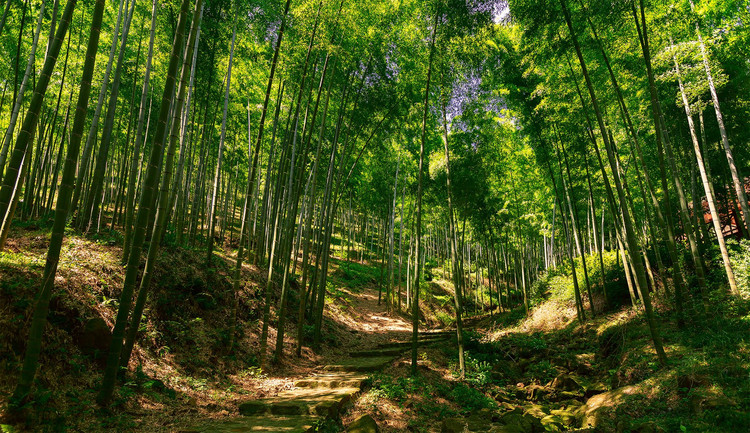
(280, 133)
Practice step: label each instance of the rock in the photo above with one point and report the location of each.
(489, 414)
(536, 392)
(479, 422)
(709, 399)
(598, 409)
(96, 338)
(565, 382)
(568, 416)
(453, 425)
(514, 422)
(363, 424)
(255, 407)
(553, 423)
(563, 396)
(594, 389)
(535, 410)
(156, 385)
(500, 394)
(686, 382)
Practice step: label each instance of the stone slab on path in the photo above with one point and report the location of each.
(364, 365)
(326, 402)
(407, 344)
(281, 424)
(332, 380)
(377, 352)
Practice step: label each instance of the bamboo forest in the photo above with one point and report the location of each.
(503, 216)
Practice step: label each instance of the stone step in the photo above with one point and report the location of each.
(377, 352)
(440, 332)
(361, 364)
(407, 344)
(332, 380)
(323, 402)
(269, 423)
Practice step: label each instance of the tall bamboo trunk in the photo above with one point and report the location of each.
(632, 241)
(41, 306)
(707, 187)
(144, 212)
(10, 186)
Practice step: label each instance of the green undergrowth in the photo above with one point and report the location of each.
(740, 257)
(427, 398)
(705, 386)
(619, 384)
(355, 276)
(181, 351)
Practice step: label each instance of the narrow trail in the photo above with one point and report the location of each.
(332, 387)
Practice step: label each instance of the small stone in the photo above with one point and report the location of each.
(96, 338)
(363, 424)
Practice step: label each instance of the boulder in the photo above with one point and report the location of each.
(363, 424)
(594, 389)
(568, 416)
(709, 399)
(516, 422)
(566, 382)
(95, 338)
(564, 396)
(453, 425)
(599, 409)
(553, 423)
(479, 422)
(535, 410)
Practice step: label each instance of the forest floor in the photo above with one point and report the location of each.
(525, 374)
(548, 372)
(180, 372)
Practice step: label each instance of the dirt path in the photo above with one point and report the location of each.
(323, 395)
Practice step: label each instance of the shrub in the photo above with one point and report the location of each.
(739, 254)
(470, 399)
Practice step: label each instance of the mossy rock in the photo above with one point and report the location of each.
(363, 424)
